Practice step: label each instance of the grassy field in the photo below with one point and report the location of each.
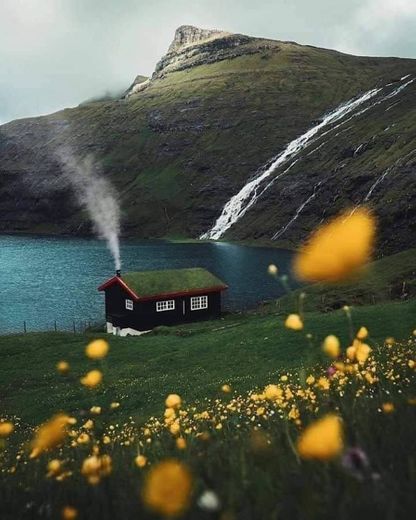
(193, 360)
(239, 447)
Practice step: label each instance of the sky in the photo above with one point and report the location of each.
(58, 53)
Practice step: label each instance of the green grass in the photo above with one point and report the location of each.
(193, 360)
(147, 283)
(390, 278)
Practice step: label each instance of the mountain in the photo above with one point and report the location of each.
(283, 135)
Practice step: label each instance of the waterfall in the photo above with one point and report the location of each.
(283, 230)
(380, 179)
(248, 195)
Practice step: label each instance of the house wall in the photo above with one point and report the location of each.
(144, 315)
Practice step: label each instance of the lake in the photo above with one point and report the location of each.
(45, 279)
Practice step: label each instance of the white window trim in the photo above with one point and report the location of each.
(198, 303)
(129, 305)
(165, 305)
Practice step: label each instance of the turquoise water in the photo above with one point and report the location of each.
(44, 279)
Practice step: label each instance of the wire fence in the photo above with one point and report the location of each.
(74, 326)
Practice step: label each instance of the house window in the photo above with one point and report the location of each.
(199, 302)
(166, 305)
(129, 305)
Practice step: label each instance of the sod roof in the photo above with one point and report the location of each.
(150, 283)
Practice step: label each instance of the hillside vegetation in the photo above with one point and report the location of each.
(213, 114)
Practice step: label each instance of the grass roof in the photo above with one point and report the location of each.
(150, 283)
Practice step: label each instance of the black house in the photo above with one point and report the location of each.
(137, 302)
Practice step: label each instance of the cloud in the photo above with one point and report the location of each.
(379, 27)
(58, 53)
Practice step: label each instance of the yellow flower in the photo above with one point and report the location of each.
(49, 435)
(96, 410)
(362, 333)
(174, 428)
(6, 428)
(337, 249)
(310, 380)
(140, 461)
(389, 341)
(62, 367)
(323, 383)
(69, 513)
(173, 401)
(167, 488)
(362, 353)
(54, 468)
(226, 389)
(106, 439)
(411, 363)
(92, 378)
(331, 346)
(387, 407)
(273, 392)
(95, 467)
(294, 322)
(83, 438)
(113, 406)
(181, 443)
(322, 440)
(88, 425)
(260, 410)
(272, 270)
(97, 349)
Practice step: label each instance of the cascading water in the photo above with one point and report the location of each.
(283, 230)
(240, 203)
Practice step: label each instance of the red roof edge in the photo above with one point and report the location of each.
(122, 283)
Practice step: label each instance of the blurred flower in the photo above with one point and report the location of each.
(173, 401)
(331, 371)
(294, 322)
(387, 407)
(96, 410)
(88, 425)
(113, 406)
(322, 440)
(273, 392)
(331, 346)
(97, 349)
(49, 435)
(310, 380)
(181, 443)
(6, 428)
(356, 462)
(83, 438)
(140, 461)
(92, 378)
(337, 249)
(362, 333)
(54, 468)
(209, 501)
(95, 467)
(226, 389)
(272, 270)
(167, 488)
(62, 367)
(69, 513)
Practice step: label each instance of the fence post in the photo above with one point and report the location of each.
(24, 327)
(73, 325)
(55, 327)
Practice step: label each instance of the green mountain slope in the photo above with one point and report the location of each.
(218, 108)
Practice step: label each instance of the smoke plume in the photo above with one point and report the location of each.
(96, 195)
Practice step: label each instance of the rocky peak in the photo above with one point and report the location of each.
(189, 35)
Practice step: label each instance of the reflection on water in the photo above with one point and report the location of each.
(47, 279)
